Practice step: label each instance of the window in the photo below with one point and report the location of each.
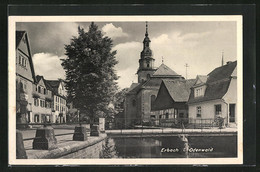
(21, 85)
(20, 59)
(167, 115)
(25, 85)
(148, 64)
(36, 118)
(198, 92)
(134, 102)
(198, 112)
(44, 91)
(39, 89)
(36, 102)
(217, 109)
(42, 103)
(153, 97)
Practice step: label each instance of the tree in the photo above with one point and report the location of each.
(90, 75)
(119, 100)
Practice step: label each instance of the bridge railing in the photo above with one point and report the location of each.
(133, 123)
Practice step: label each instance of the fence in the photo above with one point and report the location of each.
(133, 123)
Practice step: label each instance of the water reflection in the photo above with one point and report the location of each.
(182, 146)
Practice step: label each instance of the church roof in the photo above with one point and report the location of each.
(164, 70)
(134, 88)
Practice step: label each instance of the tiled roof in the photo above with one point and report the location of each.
(53, 83)
(179, 90)
(164, 70)
(134, 88)
(19, 36)
(39, 77)
(152, 82)
(133, 85)
(222, 72)
(217, 83)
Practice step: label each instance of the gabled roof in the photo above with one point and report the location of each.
(179, 90)
(200, 80)
(203, 78)
(164, 70)
(217, 83)
(53, 83)
(18, 36)
(39, 77)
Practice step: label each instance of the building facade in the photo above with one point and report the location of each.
(25, 78)
(171, 102)
(59, 103)
(215, 95)
(42, 101)
(37, 100)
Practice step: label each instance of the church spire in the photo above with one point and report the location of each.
(146, 61)
(146, 32)
(146, 42)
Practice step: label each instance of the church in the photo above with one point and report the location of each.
(140, 97)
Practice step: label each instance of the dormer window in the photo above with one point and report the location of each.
(198, 92)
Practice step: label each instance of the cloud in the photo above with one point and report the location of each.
(178, 49)
(113, 32)
(49, 37)
(48, 65)
(128, 55)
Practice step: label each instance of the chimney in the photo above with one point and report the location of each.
(229, 62)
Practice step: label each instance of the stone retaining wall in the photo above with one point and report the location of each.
(93, 151)
(71, 149)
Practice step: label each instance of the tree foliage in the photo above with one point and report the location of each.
(90, 74)
(119, 100)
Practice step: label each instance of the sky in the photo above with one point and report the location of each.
(199, 44)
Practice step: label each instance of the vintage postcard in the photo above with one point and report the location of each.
(92, 90)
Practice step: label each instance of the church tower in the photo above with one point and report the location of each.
(146, 61)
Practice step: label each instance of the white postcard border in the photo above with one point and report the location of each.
(156, 161)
